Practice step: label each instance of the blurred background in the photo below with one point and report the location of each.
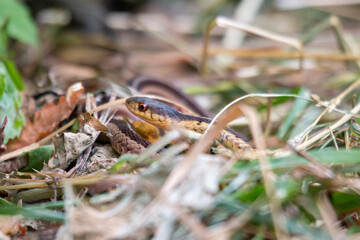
(119, 39)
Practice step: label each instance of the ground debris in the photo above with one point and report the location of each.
(131, 217)
(69, 146)
(103, 158)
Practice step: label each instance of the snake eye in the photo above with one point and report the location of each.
(142, 107)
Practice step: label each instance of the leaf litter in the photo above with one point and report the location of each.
(47, 119)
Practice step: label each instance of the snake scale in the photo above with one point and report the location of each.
(165, 117)
(124, 138)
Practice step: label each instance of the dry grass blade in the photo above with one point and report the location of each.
(69, 200)
(352, 183)
(228, 23)
(268, 176)
(77, 181)
(337, 100)
(315, 168)
(281, 54)
(334, 140)
(329, 216)
(191, 222)
(333, 103)
(342, 41)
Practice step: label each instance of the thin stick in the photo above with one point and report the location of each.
(268, 118)
(204, 57)
(76, 182)
(334, 140)
(281, 54)
(228, 23)
(333, 103)
(190, 221)
(329, 216)
(342, 43)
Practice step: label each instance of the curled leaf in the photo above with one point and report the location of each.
(86, 118)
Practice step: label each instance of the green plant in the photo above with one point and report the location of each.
(16, 23)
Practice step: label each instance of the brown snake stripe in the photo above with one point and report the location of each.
(165, 116)
(124, 138)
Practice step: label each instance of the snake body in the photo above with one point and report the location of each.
(165, 117)
(124, 138)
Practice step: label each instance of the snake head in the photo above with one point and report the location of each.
(152, 111)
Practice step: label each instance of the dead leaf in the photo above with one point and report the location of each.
(69, 146)
(103, 158)
(47, 119)
(10, 225)
(86, 118)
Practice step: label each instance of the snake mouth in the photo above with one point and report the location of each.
(142, 108)
(131, 104)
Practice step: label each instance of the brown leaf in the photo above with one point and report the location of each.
(47, 119)
(86, 118)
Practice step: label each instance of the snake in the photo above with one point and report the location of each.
(124, 138)
(166, 117)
